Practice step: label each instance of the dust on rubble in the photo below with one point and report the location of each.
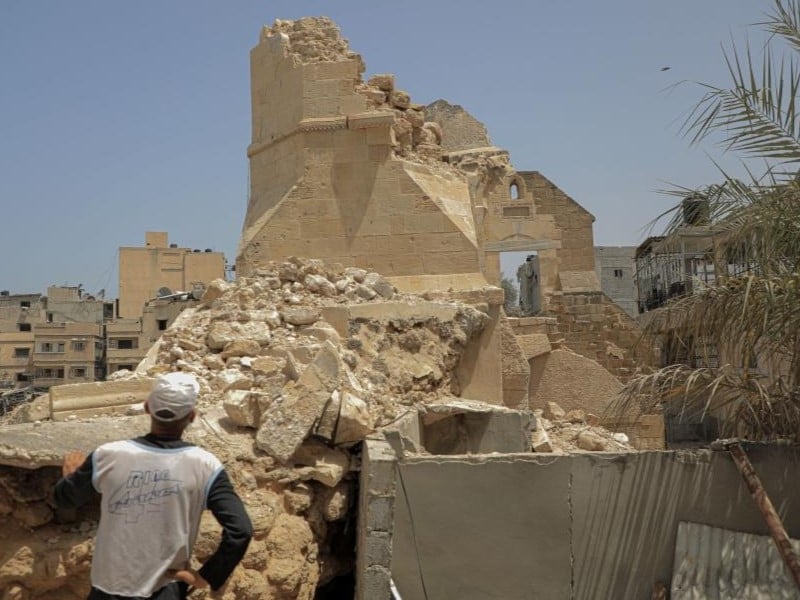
(571, 431)
(296, 366)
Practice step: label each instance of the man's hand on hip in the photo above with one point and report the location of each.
(72, 460)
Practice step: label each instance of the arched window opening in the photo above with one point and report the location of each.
(514, 191)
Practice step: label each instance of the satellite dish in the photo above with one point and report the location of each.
(163, 292)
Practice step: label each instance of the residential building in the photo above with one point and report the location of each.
(16, 358)
(67, 353)
(616, 267)
(128, 340)
(160, 268)
(19, 312)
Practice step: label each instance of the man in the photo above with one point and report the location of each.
(153, 491)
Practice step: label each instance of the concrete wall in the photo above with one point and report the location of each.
(582, 526)
(615, 267)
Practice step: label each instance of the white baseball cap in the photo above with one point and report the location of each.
(173, 396)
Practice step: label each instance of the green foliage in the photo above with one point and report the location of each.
(751, 317)
(511, 295)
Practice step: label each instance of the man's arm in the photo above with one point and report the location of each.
(75, 487)
(237, 530)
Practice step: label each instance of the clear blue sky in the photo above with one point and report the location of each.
(120, 117)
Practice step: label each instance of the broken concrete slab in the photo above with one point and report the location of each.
(289, 420)
(220, 333)
(100, 397)
(35, 445)
(470, 427)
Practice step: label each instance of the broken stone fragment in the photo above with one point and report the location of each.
(267, 365)
(379, 285)
(435, 129)
(355, 274)
(374, 95)
(416, 118)
(326, 427)
(588, 440)
(399, 99)
(215, 289)
(298, 498)
(188, 344)
(541, 441)
(554, 412)
(382, 81)
(365, 292)
(300, 315)
(241, 348)
(321, 332)
(213, 362)
(221, 333)
(576, 415)
(335, 502)
(319, 285)
(323, 464)
(244, 407)
(230, 379)
(287, 423)
(355, 420)
(288, 271)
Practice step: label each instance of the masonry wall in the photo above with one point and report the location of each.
(574, 527)
(594, 326)
(574, 222)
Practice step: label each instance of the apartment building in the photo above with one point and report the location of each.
(128, 340)
(67, 353)
(160, 268)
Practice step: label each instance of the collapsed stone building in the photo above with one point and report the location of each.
(385, 387)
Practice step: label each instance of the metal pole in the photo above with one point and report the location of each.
(764, 504)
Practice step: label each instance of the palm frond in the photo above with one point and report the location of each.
(757, 115)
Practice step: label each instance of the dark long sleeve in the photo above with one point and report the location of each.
(237, 530)
(76, 489)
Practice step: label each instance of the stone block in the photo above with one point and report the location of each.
(98, 397)
(287, 422)
(321, 463)
(355, 421)
(221, 333)
(541, 441)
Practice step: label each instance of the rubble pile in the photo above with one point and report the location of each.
(318, 39)
(564, 432)
(312, 39)
(413, 134)
(296, 365)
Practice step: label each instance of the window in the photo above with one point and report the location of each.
(77, 372)
(162, 324)
(22, 352)
(23, 377)
(514, 191)
(618, 273)
(126, 367)
(79, 346)
(24, 326)
(24, 303)
(51, 347)
(125, 343)
(49, 317)
(50, 373)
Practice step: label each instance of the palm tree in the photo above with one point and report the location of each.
(750, 317)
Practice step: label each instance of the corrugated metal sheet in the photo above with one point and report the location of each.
(719, 564)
